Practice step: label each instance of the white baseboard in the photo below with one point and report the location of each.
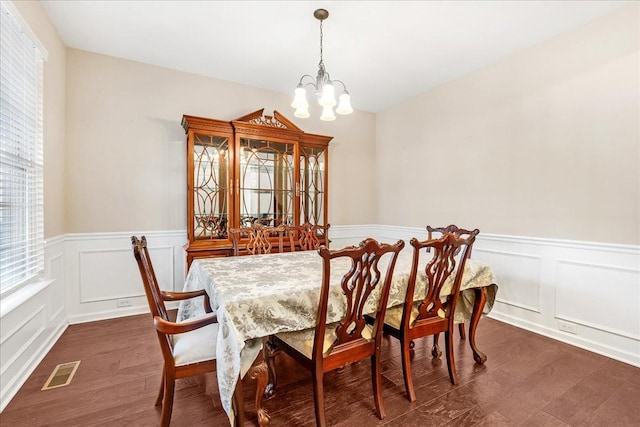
(574, 340)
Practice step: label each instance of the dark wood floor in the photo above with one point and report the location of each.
(528, 380)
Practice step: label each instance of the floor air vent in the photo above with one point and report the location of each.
(61, 375)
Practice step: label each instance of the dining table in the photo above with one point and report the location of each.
(256, 296)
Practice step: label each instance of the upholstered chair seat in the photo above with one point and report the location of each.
(195, 346)
(394, 314)
(302, 341)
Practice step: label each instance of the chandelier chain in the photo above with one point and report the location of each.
(321, 34)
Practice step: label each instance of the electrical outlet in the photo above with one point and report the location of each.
(124, 302)
(569, 327)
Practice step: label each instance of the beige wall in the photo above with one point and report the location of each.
(54, 115)
(544, 143)
(126, 162)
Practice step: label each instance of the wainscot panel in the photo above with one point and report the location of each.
(103, 277)
(32, 318)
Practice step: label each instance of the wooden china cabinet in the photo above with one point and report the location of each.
(256, 168)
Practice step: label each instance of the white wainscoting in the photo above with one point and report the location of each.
(31, 321)
(547, 286)
(103, 280)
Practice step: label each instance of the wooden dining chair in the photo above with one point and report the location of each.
(308, 237)
(330, 346)
(451, 228)
(258, 238)
(428, 313)
(188, 348)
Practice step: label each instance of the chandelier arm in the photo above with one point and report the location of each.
(344, 86)
(311, 81)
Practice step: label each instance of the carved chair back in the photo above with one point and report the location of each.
(258, 238)
(452, 228)
(358, 284)
(151, 288)
(308, 236)
(447, 262)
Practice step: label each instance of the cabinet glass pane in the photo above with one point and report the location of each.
(210, 186)
(266, 182)
(312, 185)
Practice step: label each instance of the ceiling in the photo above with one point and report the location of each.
(385, 51)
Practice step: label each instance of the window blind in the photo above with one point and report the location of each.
(21, 162)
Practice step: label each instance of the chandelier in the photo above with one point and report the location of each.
(323, 86)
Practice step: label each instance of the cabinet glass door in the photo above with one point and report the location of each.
(266, 182)
(210, 186)
(312, 191)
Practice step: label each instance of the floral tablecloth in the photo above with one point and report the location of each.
(260, 295)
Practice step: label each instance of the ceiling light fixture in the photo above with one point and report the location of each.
(323, 86)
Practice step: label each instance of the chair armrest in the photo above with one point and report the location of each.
(179, 296)
(172, 328)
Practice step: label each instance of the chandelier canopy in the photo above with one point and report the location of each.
(323, 85)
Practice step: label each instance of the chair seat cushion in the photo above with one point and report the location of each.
(393, 317)
(302, 341)
(195, 346)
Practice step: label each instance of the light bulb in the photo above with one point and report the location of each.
(345, 104)
(302, 112)
(328, 98)
(327, 114)
(300, 99)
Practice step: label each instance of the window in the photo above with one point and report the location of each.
(21, 194)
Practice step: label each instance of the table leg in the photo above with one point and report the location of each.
(260, 373)
(478, 306)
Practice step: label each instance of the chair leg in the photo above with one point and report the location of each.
(376, 381)
(451, 364)
(463, 335)
(167, 404)
(435, 351)
(160, 391)
(406, 369)
(318, 397)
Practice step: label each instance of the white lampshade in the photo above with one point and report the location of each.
(328, 98)
(345, 104)
(302, 112)
(300, 99)
(327, 114)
